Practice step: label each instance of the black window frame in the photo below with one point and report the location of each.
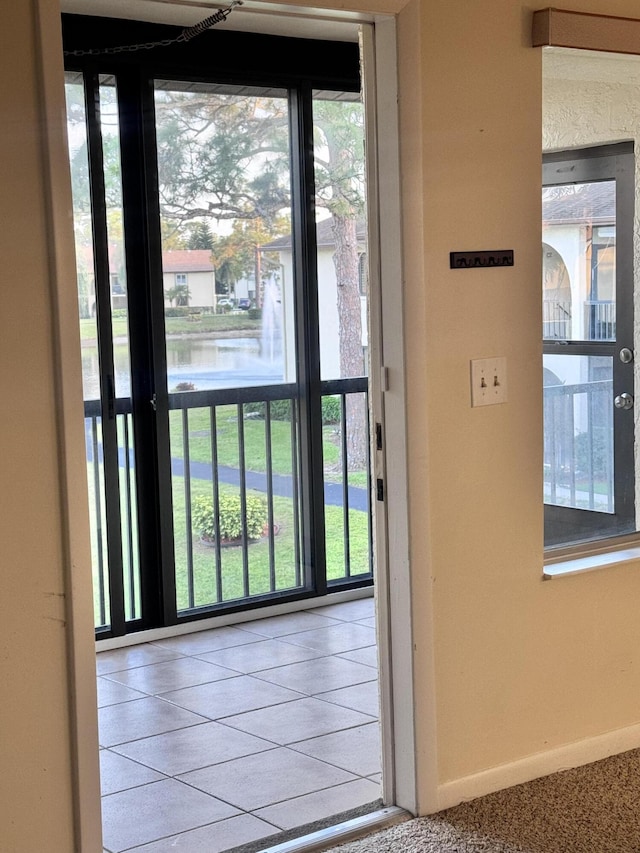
(567, 526)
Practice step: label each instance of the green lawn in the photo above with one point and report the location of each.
(255, 443)
(230, 570)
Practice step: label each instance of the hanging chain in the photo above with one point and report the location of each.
(186, 35)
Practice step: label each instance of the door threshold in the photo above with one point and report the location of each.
(350, 830)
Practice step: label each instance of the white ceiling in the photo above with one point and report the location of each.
(252, 16)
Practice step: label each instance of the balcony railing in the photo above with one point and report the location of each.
(578, 446)
(556, 320)
(599, 321)
(235, 459)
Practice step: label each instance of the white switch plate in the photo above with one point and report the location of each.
(488, 381)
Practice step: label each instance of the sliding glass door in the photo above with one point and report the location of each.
(222, 285)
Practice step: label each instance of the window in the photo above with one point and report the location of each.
(587, 221)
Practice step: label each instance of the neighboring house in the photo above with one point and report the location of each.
(86, 280)
(578, 261)
(327, 292)
(578, 269)
(190, 268)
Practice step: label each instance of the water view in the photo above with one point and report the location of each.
(204, 363)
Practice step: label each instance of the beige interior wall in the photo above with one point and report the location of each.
(35, 750)
(521, 666)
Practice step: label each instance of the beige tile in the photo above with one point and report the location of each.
(318, 676)
(356, 750)
(349, 611)
(231, 696)
(207, 641)
(288, 623)
(111, 693)
(142, 718)
(154, 811)
(265, 654)
(190, 749)
(322, 804)
(361, 697)
(338, 638)
(296, 721)
(215, 838)
(118, 659)
(270, 777)
(368, 656)
(171, 675)
(118, 773)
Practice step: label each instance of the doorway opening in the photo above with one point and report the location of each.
(220, 221)
(184, 524)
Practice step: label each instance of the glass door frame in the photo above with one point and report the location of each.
(567, 525)
(307, 70)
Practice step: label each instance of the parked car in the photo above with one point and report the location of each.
(245, 304)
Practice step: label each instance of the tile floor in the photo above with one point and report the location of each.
(231, 735)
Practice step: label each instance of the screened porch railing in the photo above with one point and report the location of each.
(578, 445)
(236, 501)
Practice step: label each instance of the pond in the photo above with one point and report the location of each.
(205, 363)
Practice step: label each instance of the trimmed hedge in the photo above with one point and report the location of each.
(281, 410)
(230, 517)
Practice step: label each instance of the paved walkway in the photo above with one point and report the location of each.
(282, 484)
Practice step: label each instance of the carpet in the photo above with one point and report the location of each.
(591, 809)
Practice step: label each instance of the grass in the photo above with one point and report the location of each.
(254, 441)
(231, 567)
(230, 570)
(179, 325)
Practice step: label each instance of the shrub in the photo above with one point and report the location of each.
(331, 410)
(230, 517)
(593, 451)
(254, 313)
(176, 312)
(185, 386)
(281, 410)
(119, 313)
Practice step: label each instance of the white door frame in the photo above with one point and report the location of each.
(387, 396)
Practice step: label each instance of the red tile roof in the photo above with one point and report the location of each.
(187, 260)
(580, 203)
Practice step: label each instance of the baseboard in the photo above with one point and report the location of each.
(540, 764)
(238, 618)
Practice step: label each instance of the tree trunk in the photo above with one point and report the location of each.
(345, 260)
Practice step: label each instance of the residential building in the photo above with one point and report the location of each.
(328, 320)
(191, 269)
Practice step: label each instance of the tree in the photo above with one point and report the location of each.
(226, 157)
(339, 168)
(200, 236)
(237, 255)
(178, 295)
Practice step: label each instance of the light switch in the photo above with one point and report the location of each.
(488, 381)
